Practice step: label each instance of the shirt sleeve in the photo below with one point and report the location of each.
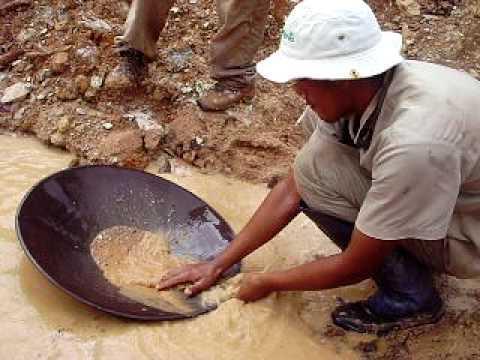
(413, 194)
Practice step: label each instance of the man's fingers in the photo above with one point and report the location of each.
(199, 286)
(173, 281)
(175, 272)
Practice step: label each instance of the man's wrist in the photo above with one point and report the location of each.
(218, 266)
(271, 281)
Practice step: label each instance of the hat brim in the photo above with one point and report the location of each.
(386, 54)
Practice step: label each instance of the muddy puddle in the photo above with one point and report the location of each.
(39, 321)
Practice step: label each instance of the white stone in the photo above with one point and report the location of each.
(19, 114)
(107, 125)
(25, 35)
(96, 81)
(16, 92)
(411, 7)
(89, 52)
(96, 24)
(144, 120)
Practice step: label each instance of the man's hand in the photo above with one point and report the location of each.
(254, 287)
(201, 275)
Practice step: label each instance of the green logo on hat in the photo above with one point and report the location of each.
(288, 35)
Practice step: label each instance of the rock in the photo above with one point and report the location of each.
(9, 57)
(163, 163)
(67, 91)
(411, 7)
(87, 53)
(117, 79)
(25, 35)
(207, 25)
(81, 111)
(96, 24)
(144, 120)
(19, 114)
(63, 124)
(57, 139)
(107, 126)
(161, 94)
(178, 60)
(16, 92)
(186, 89)
(125, 145)
(152, 138)
(96, 81)
(90, 94)
(3, 76)
(43, 74)
(82, 83)
(59, 62)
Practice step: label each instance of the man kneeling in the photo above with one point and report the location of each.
(391, 171)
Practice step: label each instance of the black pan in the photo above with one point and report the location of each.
(60, 216)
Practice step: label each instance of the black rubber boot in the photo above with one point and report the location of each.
(405, 297)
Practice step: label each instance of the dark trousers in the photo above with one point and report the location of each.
(405, 285)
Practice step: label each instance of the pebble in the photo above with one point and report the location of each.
(80, 111)
(59, 62)
(96, 81)
(96, 24)
(163, 163)
(19, 114)
(25, 35)
(16, 92)
(67, 91)
(82, 83)
(107, 125)
(411, 7)
(144, 120)
(57, 139)
(89, 52)
(117, 79)
(63, 124)
(178, 60)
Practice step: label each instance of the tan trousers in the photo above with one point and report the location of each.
(242, 26)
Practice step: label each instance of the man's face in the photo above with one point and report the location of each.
(326, 98)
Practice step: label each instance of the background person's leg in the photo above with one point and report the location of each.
(144, 24)
(138, 44)
(242, 27)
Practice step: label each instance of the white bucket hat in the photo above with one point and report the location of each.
(332, 40)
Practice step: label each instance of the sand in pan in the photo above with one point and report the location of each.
(135, 260)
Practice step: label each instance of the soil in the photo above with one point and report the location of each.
(63, 51)
(136, 260)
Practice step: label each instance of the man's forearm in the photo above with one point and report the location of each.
(358, 262)
(325, 273)
(276, 211)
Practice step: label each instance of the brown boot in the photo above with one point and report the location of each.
(225, 94)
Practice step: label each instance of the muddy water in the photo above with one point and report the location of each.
(39, 321)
